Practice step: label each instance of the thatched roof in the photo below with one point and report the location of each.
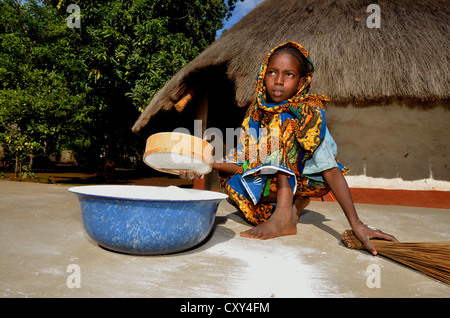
(406, 58)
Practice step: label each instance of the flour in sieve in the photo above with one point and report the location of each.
(173, 161)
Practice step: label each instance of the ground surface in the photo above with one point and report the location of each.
(42, 240)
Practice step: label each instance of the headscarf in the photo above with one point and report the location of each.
(307, 108)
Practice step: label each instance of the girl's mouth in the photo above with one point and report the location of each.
(277, 93)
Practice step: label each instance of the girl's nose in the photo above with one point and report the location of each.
(279, 80)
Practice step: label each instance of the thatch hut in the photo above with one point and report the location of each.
(385, 67)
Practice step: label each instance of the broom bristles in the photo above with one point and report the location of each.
(430, 258)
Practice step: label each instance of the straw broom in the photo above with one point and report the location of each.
(430, 258)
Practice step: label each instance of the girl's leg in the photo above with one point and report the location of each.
(300, 204)
(284, 219)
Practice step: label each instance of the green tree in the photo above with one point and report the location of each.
(40, 108)
(83, 87)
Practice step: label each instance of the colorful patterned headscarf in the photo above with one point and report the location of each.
(309, 70)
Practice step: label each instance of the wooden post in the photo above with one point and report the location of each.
(202, 114)
(186, 99)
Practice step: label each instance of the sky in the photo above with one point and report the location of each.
(241, 9)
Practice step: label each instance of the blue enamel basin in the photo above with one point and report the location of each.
(147, 220)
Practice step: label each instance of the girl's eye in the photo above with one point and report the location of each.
(290, 74)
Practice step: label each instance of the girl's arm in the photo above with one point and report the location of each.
(225, 167)
(335, 179)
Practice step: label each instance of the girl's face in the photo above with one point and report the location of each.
(282, 78)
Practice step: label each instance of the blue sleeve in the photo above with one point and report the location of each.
(323, 158)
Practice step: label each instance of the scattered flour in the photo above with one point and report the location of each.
(268, 269)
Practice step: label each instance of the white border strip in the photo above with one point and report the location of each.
(396, 183)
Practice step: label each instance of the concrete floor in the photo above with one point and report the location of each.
(45, 252)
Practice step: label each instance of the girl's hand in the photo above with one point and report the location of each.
(364, 233)
(189, 175)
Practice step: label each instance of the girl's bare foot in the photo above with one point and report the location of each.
(282, 222)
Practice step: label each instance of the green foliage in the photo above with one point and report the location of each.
(40, 108)
(83, 88)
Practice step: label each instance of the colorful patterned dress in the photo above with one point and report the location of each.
(289, 137)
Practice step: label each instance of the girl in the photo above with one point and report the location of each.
(285, 154)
